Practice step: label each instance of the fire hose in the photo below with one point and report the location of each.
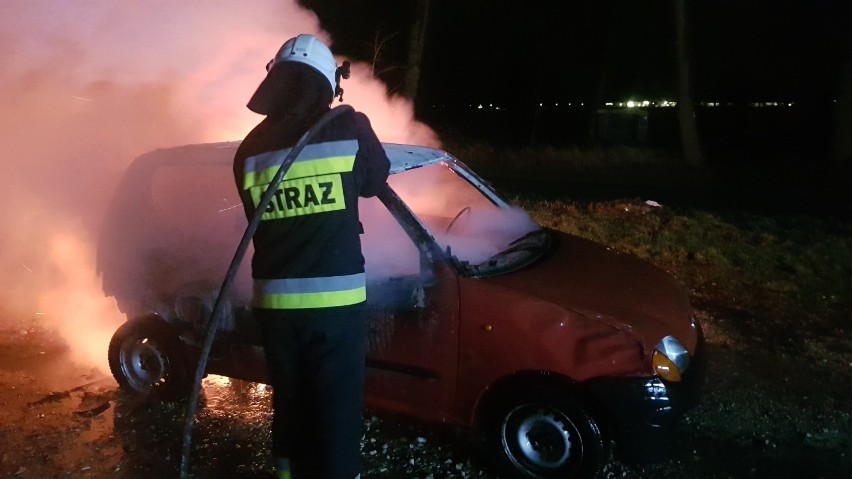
(215, 316)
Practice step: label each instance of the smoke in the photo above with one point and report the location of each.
(457, 215)
(391, 116)
(88, 86)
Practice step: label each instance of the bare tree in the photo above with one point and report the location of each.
(377, 46)
(604, 26)
(690, 143)
(416, 41)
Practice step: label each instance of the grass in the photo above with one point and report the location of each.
(782, 277)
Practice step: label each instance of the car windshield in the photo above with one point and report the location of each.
(467, 218)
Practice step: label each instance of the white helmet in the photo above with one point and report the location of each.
(309, 50)
(306, 49)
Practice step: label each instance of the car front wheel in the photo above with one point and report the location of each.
(146, 357)
(546, 437)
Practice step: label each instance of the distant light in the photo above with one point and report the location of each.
(480, 107)
(630, 104)
(646, 103)
(609, 103)
(764, 104)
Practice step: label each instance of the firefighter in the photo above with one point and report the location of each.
(308, 269)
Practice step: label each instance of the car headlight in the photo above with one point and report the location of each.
(670, 359)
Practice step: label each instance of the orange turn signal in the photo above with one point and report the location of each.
(665, 368)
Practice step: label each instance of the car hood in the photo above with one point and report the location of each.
(608, 286)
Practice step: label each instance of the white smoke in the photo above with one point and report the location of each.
(87, 86)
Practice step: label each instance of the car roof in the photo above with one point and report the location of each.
(407, 157)
(402, 157)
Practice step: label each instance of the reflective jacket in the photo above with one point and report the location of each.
(307, 246)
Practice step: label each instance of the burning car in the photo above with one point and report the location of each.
(555, 347)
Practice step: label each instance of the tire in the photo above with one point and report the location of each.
(147, 358)
(545, 436)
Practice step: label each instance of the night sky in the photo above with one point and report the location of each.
(481, 51)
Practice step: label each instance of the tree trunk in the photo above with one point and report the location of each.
(415, 49)
(601, 54)
(843, 111)
(690, 144)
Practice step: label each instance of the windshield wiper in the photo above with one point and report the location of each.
(525, 242)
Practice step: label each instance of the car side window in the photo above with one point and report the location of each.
(396, 275)
(179, 202)
(190, 235)
(388, 251)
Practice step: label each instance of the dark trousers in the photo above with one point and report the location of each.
(317, 364)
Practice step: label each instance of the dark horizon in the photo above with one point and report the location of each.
(547, 51)
(550, 66)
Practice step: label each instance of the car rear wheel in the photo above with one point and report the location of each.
(546, 437)
(146, 357)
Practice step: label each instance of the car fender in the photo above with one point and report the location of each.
(503, 333)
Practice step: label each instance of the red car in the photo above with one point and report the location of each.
(553, 345)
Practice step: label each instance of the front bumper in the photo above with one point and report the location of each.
(642, 412)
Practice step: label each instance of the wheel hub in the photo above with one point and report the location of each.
(543, 440)
(143, 364)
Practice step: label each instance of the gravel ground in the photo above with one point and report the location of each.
(764, 413)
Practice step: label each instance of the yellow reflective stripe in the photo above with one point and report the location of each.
(301, 169)
(322, 166)
(303, 196)
(311, 300)
(272, 159)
